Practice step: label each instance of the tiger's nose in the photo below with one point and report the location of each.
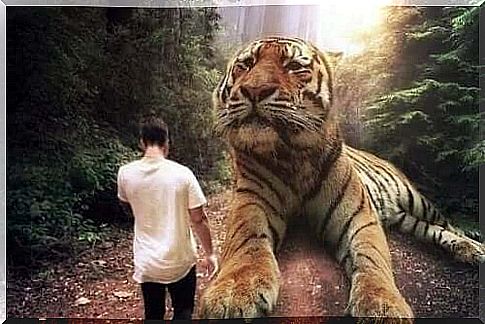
(256, 94)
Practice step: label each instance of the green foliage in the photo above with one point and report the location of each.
(429, 126)
(80, 80)
(381, 68)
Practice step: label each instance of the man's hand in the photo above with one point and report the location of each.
(211, 265)
(201, 227)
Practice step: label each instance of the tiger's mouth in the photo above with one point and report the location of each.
(255, 120)
(278, 124)
(263, 131)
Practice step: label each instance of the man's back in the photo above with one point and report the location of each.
(160, 193)
(165, 199)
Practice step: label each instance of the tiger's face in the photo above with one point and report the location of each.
(275, 90)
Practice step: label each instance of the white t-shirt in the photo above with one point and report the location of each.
(160, 193)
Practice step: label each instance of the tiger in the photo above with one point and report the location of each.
(399, 205)
(274, 108)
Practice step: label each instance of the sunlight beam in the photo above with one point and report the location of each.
(340, 23)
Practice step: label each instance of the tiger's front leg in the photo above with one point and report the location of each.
(364, 252)
(351, 227)
(373, 291)
(247, 285)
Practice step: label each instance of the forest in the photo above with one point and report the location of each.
(417, 103)
(80, 79)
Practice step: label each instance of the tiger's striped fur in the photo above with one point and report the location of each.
(402, 207)
(274, 108)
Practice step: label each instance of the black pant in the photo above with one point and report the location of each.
(181, 292)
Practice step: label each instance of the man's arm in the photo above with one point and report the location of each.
(200, 224)
(123, 200)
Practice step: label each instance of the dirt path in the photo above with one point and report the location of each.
(313, 284)
(434, 285)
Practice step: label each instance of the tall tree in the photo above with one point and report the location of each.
(429, 123)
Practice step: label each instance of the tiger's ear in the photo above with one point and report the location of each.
(334, 58)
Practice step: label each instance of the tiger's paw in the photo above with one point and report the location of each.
(468, 251)
(372, 303)
(240, 295)
(381, 309)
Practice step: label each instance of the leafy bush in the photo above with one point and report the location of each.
(80, 80)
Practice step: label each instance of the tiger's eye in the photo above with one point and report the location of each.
(238, 69)
(249, 62)
(246, 64)
(242, 66)
(293, 66)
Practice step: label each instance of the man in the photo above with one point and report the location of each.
(165, 197)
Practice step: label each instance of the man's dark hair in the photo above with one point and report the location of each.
(154, 131)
